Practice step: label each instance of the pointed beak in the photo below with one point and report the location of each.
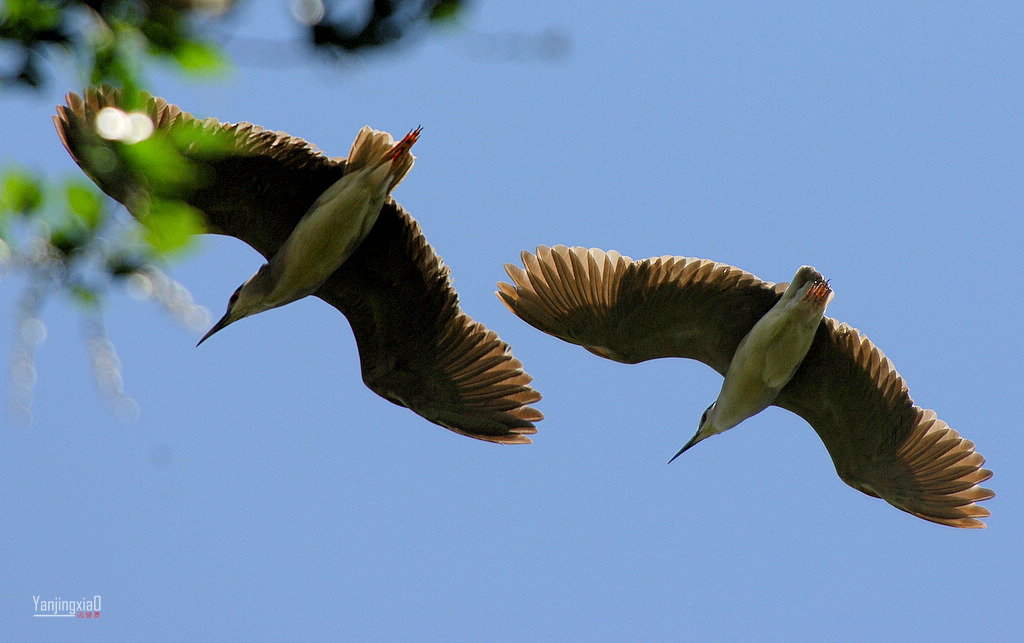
(224, 321)
(697, 437)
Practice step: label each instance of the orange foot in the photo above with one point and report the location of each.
(403, 146)
(818, 292)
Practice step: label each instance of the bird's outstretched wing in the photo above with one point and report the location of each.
(248, 182)
(417, 348)
(632, 311)
(881, 442)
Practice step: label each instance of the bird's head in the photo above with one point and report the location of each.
(705, 429)
(248, 299)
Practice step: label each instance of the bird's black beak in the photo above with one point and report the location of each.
(697, 437)
(224, 321)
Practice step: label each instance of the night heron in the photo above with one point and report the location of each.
(774, 347)
(417, 348)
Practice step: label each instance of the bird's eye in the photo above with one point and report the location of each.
(704, 417)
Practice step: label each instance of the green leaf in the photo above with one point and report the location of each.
(164, 168)
(170, 225)
(68, 239)
(116, 55)
(84, 203)
(445, 11)
(84, 295)
(121, 264)
(205, 143)
(31, 16)
(22, 192)
(200, 57)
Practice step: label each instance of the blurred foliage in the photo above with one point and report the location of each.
(110, 39)
(66, 237)
(65, 240)
(107, 39)
(21, 194)
(388, 24)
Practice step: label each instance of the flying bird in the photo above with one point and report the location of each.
(774, 346)
(417, 348)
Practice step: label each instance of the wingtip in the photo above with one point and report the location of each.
(514, 440)
(960, 510)
(531, 414)
(507, 295)
(964, 523)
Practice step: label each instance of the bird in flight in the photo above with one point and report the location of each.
(417, 348)
(774, 346)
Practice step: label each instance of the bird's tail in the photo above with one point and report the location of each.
(374, 147)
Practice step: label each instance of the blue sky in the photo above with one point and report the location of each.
(264, 493)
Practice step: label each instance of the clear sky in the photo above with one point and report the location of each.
(265, 494)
